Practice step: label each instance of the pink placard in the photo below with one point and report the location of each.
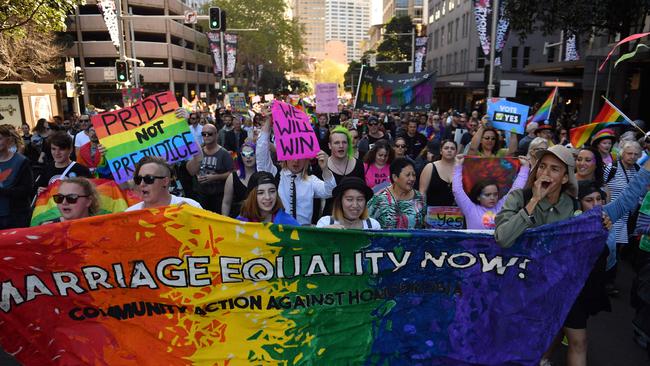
(327, 98)
(294, 135)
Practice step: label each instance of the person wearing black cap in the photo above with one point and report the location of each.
(374, 134)
(262, 203)
(349, 208)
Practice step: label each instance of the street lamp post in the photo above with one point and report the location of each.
(495, 19)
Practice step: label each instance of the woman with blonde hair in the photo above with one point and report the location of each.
(76, 198)
(535, 148)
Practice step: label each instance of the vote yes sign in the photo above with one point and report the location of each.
(147, 128)
(507, 116)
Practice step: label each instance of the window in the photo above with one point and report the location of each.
(441, 69)
(480, 58)
(450, 32)
(435, 65)
(514, 59)
(455, 62)
(469, 21)
(464, 20)
(435, 39)
(442, 36)
(526, 56)
(457, 24)
(448, 61)
(550, 54)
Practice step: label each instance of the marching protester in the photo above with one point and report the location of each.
(399, 206)
(295, 180)
(603, 140)
(62, 167)
(415, 141)
(40, 132)
(195, 127)
(90, 154)
(349, 208)
(535, 147)
(377, 163)
(152, 178)
(211, 171)
(227, 119)
(375, 134)
(82, 137)
(236, 186)
(76, 198)
(236, 137)
(16, 182)
(523, 145)
(436, 177)
(483, 203)
(590, 166)
(486, 143)
(262, 203)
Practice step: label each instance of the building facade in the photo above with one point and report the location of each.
(176, 56)
(416, 9)
(311, 15)
(348, 21)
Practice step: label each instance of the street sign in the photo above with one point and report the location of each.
(508, 89)
(203, 95)
(191, 17)
(109, 74)
(372, 60)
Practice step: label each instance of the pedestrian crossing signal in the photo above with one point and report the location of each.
(121, 71)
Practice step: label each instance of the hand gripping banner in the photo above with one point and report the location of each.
(182, 286)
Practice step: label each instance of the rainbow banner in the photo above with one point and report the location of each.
(544, 112)
(501, 170)
(183, 286)
(608, 116)
(444, 218)
(148, 128)
(112, 199)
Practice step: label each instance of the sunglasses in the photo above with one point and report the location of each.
(148, 179)
(489, 138)
(70, 198)
(248, 153)
(400, 146)
(372, 123)
(207, 133)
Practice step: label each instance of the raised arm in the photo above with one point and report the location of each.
(513, 145)
(631, 195)
(462, 199)
(262, 150)
(476, 141)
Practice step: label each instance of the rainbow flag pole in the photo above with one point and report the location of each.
(626, 118)
(608, 116)
(544, 112)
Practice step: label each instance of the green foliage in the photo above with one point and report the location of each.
(584, 17)
(38, 15)
(351, 76)
(396, 48)
(278, 39)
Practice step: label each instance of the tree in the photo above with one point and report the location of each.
(40, 15)
(396, 48)
(30, 57)
(278, 40)
(351, 75)
(582, 17)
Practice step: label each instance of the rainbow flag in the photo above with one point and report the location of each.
(187, 105)
(181, 286)
(111, 199)
(608, 116)
(544, 112)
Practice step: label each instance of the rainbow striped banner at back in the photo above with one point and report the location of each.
(112, 199)
(544, 112)
(183, 286)
(608, 116)
(147, 128)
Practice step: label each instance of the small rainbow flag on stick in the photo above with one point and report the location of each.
(608, 116)
(544, 112)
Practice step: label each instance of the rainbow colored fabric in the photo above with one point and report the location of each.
(544, 112)
(183, 286)
(112, 199)
(608, 116)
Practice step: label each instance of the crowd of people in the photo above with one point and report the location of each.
(374, 171)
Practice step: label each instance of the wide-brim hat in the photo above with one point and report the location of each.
(353, 183)
(565, 155)
(605, 133)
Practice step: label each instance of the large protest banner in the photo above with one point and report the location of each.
(507, 116)
(378, 91)
(327, 100)
(294, 134)
(147, 128)
(503, 171)
(182, 286)
(237, 102)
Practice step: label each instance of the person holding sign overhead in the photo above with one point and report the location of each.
(297, 189)
(486, 142)
(152, 178)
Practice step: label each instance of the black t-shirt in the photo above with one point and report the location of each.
(466, 139)
(51, 174)
(415, 144)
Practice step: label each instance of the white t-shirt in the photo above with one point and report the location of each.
(327, 220)
(175, 201)
(81, 139)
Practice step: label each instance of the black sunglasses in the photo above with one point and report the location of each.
(207, 133)
(148, 179)
(71, 198)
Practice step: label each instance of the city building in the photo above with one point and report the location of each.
(311, 14)
(176, 56)
(348, 21)
(336, 51)
(399, 8)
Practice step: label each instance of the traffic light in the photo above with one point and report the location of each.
(141, 77)
(224, 85)
(217, 19)
(122, 71)
(80, 77)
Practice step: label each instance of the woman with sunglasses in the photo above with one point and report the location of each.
(482, 204)
(485, 142)
(236, 185)
(152, 179)
(262, 203)
(76, 198)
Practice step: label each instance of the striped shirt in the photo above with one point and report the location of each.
(616, 186)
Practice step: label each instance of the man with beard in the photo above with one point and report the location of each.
(415, 141)
(227, 126)
(211, 171)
